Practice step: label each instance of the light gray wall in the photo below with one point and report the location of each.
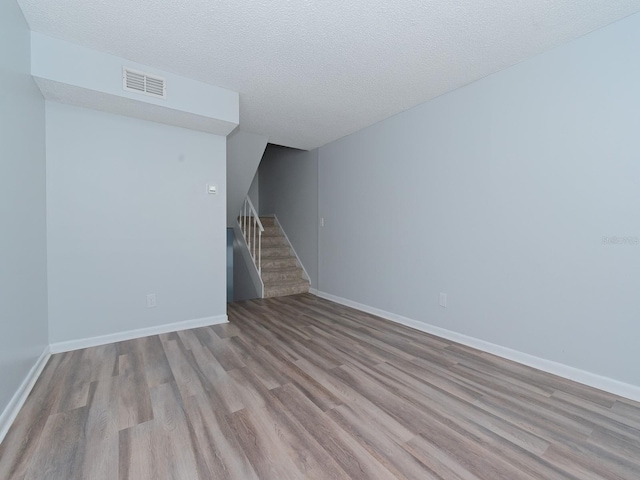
(244, 152)
(289, 189)
(128, 215)
(23, 276)
(243, 286)
(499, 194)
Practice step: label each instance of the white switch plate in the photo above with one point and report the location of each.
(443, 300)
(322, 221)
(212, 189)
(151, 300)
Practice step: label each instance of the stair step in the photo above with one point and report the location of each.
(271, 274)
(271, 231)
(273, 241)
(277, 251)
(286, 287)
(282, 261)
(268, 221)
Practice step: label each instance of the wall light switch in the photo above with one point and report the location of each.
(212, 189)
(322, 221)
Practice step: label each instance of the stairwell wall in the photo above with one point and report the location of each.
(516, 195)
(254, 192)
(289, 189)
(244, 153)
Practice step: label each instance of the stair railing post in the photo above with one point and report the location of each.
(260, 253)
(244, 220)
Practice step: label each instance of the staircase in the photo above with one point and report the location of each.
(277, 268)
(281, 272)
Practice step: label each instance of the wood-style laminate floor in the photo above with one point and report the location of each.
(301, 388)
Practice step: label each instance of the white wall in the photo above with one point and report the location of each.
(289, 189)
(128, 215)
(499, 194)
(23, 287)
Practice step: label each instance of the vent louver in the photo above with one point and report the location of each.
(140, 82)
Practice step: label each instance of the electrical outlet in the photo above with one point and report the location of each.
(151, 300)
(322, 221)
(443, 300)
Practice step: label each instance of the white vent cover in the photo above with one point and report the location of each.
(140, 82)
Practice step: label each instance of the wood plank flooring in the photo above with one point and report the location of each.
(301, 388)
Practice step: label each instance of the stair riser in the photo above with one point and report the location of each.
(275, 252)
(268, 221)
(275, 276)
(273, 231)
(281, 292)
(279, 262)
(274, 242)
(251, 222)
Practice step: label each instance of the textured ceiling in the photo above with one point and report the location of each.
(309, 72)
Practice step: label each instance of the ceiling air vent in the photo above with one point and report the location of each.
(140, 82)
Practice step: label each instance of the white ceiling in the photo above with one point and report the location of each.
(309, 72)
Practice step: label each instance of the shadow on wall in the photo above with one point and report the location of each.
(243, 287)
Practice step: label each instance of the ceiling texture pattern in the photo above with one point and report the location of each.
(309, 72)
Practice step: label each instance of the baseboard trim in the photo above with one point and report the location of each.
(607, 384)
(80, 343)
(17, 401)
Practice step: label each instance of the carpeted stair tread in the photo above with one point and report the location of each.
(281, 257)
(271, 268)
(273, 231)
(285, 287)
(284, 262)
(273, 274)
(274, 241)
(287, 283)
(268, 221)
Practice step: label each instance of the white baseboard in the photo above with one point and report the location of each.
(70, 345)
(17, 401)
(607, 384)
(316, 292)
